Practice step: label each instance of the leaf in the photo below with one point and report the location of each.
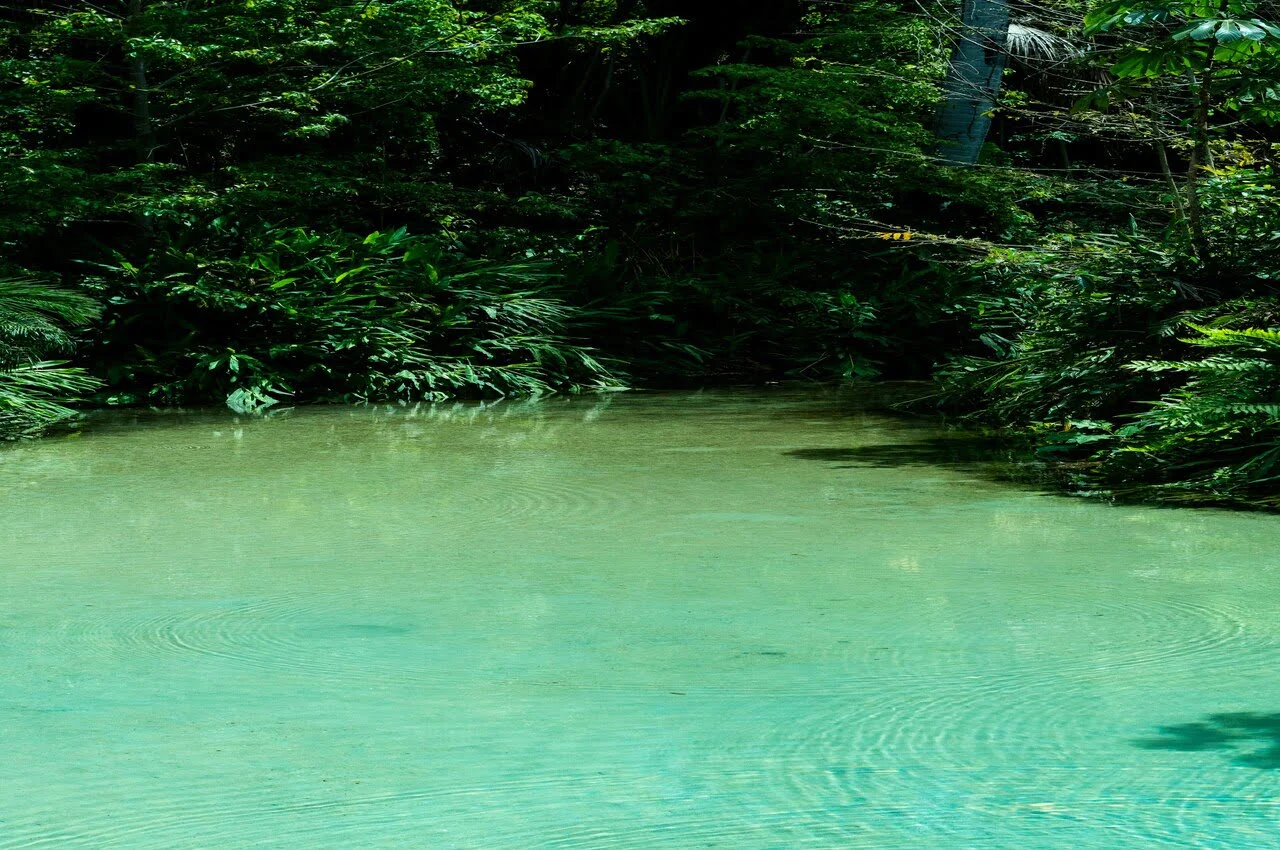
(1240, 50)
(1103, 19)
(1251, 30)
(416, 252)
(1099, 101)
(348, 273)
(1134, 65)
(268, 262)
(1229, 32)
(1199, 30)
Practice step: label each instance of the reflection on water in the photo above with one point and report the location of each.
(738, 620)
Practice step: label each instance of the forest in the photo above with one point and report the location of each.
(1063, 214)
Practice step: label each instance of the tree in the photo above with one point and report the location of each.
(973, 79)
(1223, 55)
(166, 148)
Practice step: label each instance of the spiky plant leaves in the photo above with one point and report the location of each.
(37, 320)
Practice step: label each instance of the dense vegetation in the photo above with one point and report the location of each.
(1064, 213)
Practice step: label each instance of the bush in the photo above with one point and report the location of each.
(292, 313)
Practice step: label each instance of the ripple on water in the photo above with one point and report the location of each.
(608, 697)
(232, 817)
(314, 636)
(550, 497)
(306, 635)
(949, 733)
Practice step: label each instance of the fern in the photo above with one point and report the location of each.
(1089, 340)
(1212, 337)
(34, 396)
(1217, 435)
(35, 317)
(1208, 365)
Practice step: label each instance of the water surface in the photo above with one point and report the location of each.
(733, 620)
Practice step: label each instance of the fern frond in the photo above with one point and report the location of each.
(1208, 365)
(1218, 337)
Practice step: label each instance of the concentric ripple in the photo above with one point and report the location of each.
(550, 497)
(299, 634)
(662, 622)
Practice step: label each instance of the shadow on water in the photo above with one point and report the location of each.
(1257, 734)
(994, 459)
(935, 451)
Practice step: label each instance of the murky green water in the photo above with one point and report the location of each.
(684, 621)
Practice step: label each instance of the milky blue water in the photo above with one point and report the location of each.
(734, 620)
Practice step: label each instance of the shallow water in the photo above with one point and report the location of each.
(724, 619)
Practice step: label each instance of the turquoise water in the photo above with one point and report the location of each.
(724, 620)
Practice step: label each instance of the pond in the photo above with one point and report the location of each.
(724, 619)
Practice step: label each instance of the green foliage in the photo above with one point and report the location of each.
(200, 168)
(1088, 348)
(1060, 325)
(1216, 436)
(746, 245)
(36, 321)
(1086, 332)
(291, 313)
(695, 197)
(558, 193)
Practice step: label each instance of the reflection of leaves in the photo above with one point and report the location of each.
(1225, 732)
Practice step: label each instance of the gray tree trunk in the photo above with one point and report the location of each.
(973, 81)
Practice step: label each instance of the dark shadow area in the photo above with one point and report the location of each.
(1005, 459)
(995, 458)
(1258, 735)
(936, 451)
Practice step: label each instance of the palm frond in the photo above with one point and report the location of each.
(1032, 44)
(36, 395)
(36, 320)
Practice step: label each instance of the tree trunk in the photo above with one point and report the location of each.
(973, 81)
(1199, 157)
(144, 134)
(1180, 211)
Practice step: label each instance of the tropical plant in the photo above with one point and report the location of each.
(292, 313)
(1223, 55)
(36, 323)
(1059, 325)
(1216, 437)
